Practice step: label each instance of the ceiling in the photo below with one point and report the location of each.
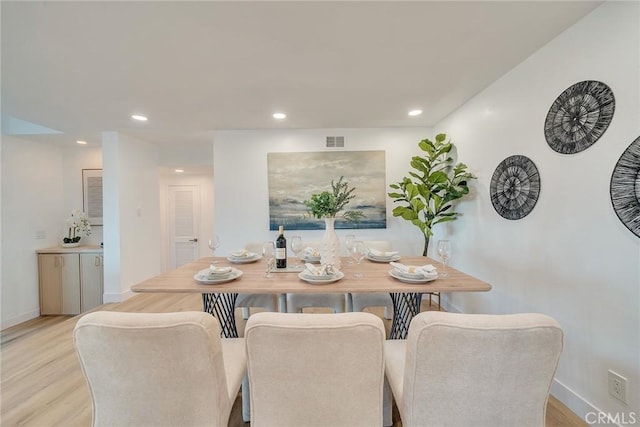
(194, 67)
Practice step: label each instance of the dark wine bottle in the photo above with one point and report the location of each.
(281, 249)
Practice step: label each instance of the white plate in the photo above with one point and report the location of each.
(203, 277)
(310, 259)
(383, 259)
(244, 260)
(315, 281)
(394, 273)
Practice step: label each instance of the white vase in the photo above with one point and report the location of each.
(330, 251)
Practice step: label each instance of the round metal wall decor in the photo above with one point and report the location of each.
(625, 187)
(579, 117)
(515, 187)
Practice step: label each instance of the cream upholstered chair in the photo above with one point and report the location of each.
(297, 302)
(473, 369)
(147, 369)
(267, 301)
(315, 369)
(357, 302)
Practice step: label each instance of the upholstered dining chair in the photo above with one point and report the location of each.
(297, 302)
(267, 301)
(357, 302)
(474, 369)
(315, 369)
(152, 369)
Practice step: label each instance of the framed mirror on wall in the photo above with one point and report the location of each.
(92, 195)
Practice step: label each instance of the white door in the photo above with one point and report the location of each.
(184, 218)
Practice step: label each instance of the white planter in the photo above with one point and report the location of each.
(330, 251)
(71, 245)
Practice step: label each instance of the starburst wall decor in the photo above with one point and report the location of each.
(579, 117)
(515, 187)
(625, 187)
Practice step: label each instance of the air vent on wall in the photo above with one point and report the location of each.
(335, 141)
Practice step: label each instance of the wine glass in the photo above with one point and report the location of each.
(348, 242)
(296, 247)
(357, 253)
(444, 252)
(214, 244)
(269, 253)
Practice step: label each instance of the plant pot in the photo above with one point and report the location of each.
(330, 250)
(71, 245)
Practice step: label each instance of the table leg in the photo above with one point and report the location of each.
(222, 307)
(405, 306)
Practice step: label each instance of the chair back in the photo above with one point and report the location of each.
(156, 369)
(482, 370)
(315, 369)
(380, 245)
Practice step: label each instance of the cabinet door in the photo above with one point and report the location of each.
(91, 280)
(70, 283)
(50, 275)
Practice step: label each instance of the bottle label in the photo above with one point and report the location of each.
(281, 253)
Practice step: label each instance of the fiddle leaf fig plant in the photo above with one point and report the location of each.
(328, 204)
(426, 197)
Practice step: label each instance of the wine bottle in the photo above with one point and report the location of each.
(281, 249)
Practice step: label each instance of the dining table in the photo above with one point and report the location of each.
(251, 278)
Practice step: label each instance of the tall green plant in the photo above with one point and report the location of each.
(426, 198)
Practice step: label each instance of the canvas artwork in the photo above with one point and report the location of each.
(294, 177)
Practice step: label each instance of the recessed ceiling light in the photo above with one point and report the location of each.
(179, 170)
(279, 116)
(139, 117)
(415, 112)
(81, 142)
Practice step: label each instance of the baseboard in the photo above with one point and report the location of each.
(108, 298)
(19, 319)
(446, 304)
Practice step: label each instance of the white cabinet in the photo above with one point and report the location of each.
(70, 282)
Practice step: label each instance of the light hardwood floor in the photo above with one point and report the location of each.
(42, 383)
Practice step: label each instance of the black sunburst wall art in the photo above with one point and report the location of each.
(515, 187)
(625, 187)
(579, 116)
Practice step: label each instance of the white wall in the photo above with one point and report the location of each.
(132, 226)
(42, 184)
(240, 180)
(570, 257)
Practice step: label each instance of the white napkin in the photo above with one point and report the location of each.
(376, 252)
(311, 252)
(213, 270)
(318, 271)
(428, 270)
(242, 253)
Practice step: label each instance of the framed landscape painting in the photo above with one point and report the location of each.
(294, 177)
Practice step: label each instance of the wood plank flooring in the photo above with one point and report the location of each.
(42, 383)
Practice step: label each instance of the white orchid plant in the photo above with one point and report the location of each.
(78, 223)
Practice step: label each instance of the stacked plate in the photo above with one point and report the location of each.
(216, 275)
(243, 257)
(413, 275)
(320, 275)
(310, 255)
(378, 256)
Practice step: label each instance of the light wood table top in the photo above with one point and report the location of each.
(375, 278)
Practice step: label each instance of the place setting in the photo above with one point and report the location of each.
(320, 275)
(411, 274)
(243, 256)
(217, 274)
(310, 255)
(376, 255)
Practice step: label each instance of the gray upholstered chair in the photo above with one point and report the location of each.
(473, 369)
(297, 302)
(315, 369)
(147, 369)
(357, 302)
(267, 301)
